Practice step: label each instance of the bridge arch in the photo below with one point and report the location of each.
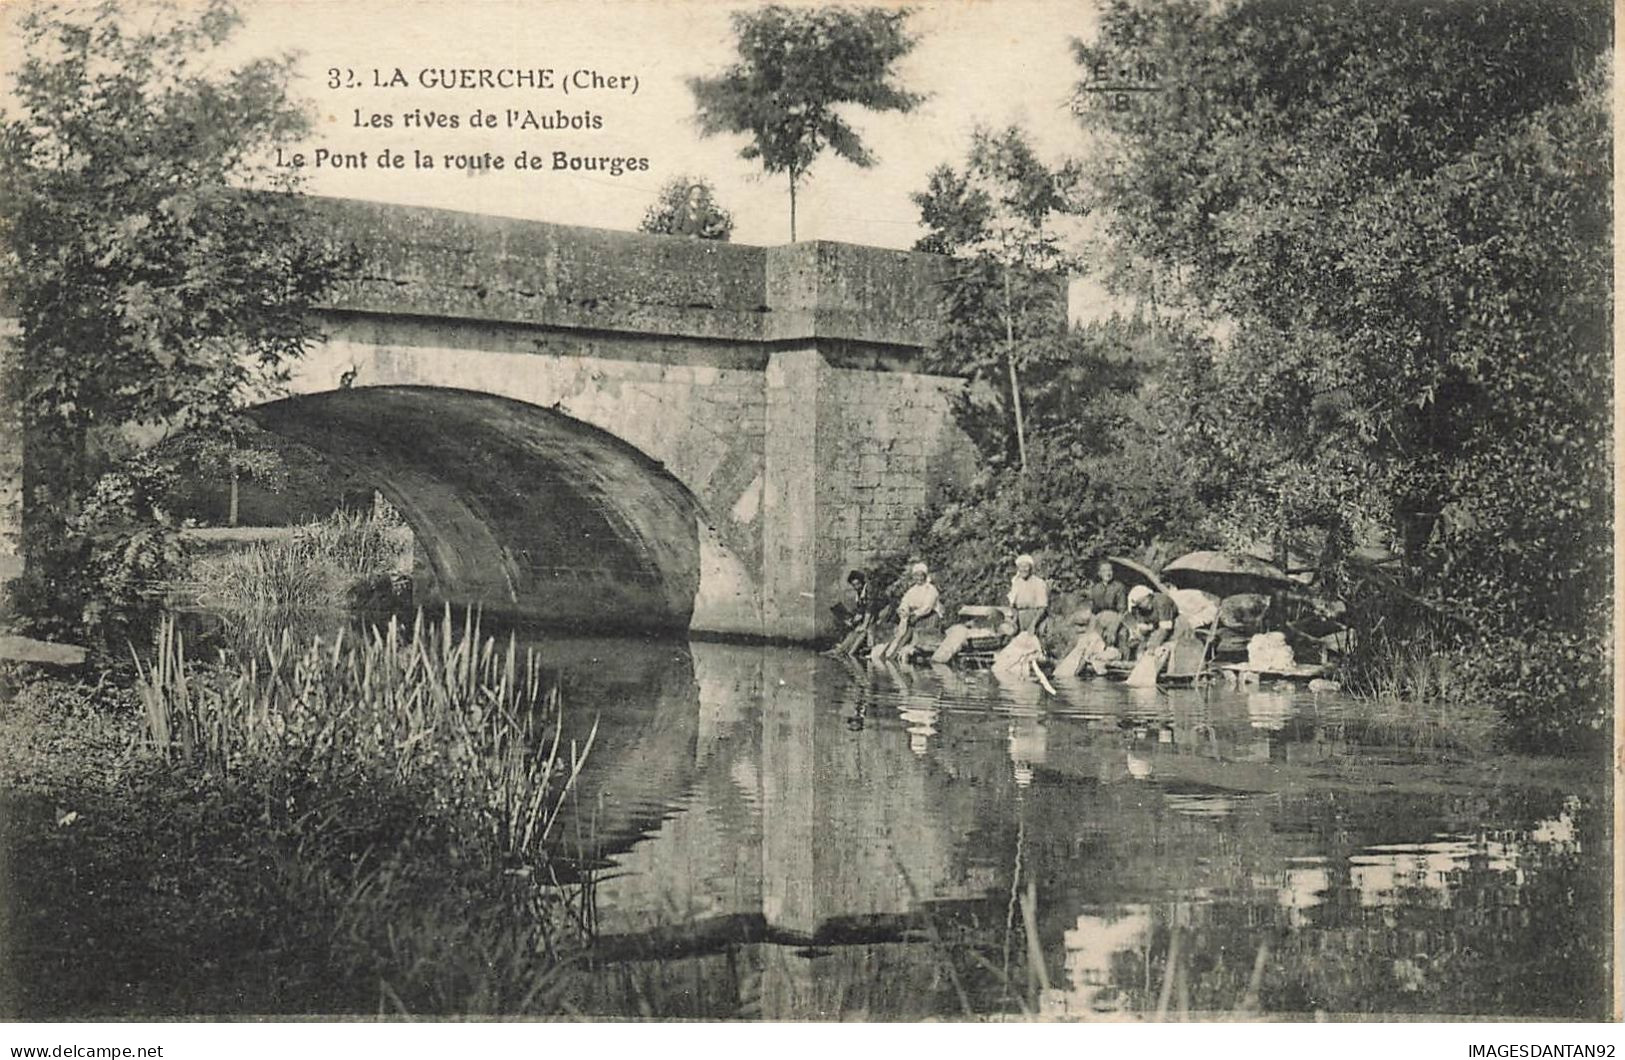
(528, 510)
(779, 387)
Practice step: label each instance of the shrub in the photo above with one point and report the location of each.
(366, 825)
(435, 709)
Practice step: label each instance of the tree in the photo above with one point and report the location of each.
(1003, 217)
(163, 273)
(688, 206)
(1402, 213)
(239, 452)
(1101, 479)
(796, 69)
(1078, 410)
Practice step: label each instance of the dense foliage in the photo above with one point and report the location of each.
(1092, 481)
(797, 69)
(1403, 212)
(1376, 238)
(1098, 482)
(312, 574)
(162, 272)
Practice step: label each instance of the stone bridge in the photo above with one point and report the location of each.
(622, 429)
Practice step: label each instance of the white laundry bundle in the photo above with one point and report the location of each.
(1195, 606)
(1023, 650)
(1269, 651)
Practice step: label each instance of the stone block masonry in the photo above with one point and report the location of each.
(627, 430)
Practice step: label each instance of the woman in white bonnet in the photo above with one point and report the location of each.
(1029, 596)
(920, 607)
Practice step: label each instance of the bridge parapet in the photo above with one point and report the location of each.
(422, 262)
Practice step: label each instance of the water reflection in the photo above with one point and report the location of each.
(782, 836)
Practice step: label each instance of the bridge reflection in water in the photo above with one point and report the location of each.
(782, 836)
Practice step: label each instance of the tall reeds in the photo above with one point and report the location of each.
(1415, 690)
(434, 707)
(1415, 667)
(313, 570)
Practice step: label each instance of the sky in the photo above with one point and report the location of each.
(979, 61)
(988, 62)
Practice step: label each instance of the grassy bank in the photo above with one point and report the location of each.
(354, 827)
(325, 567)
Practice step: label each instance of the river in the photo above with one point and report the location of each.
(771, 834)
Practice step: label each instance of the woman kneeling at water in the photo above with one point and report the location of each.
(1101, 619)
(919, 611)
(857, 615)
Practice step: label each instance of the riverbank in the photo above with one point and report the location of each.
(135, 887)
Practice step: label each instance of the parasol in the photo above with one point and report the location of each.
(1225, 566)
(1146, 574)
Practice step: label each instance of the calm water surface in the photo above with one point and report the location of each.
(777, 835)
